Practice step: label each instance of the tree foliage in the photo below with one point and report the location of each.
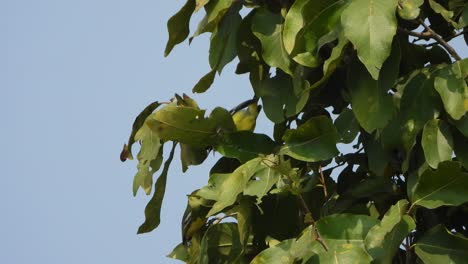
(378, 77)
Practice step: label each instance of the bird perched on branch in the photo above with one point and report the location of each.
(245, 115)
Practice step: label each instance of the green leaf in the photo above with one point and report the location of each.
(221, 244)
(262, 181)
(149, 159)
(437, 142)
(249, 47)
(215, 11)
(370, 25)
(280, 253)
(267, 27)
(293, 23)
(205, 82)
(315, 140)
(190, 155)
(439, 9)
(377, 157)
(451, 85)
(223, 41)
(153, 208)
(222, 48)
(322, 26)
(409, 9)
(445, 186)
(244, 221)
(225, 187)
(180, 252)
(347, 126)
(137, 124)
(461, 148)
(278, 96)
(179, 26)
(189, 126)
(245, 145)
(200, 4)
(462, 125)
(384, 239)
(439, 245)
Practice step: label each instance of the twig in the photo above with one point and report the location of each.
(311, 221)
(422, 35)
(439, 39)
(325, 193)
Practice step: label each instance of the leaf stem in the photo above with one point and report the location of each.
(322, 179)
(311, 221)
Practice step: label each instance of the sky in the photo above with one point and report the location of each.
(73, 76)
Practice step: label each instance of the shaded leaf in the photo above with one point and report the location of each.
(377, 157)
(221, 244)
(179, 26)
(461, 148)
(370, 25)
(384, 239)
(245, 145)
(205, 82)
(191, 156)
(153, 208)
(439, 9)
(314, 140)
(439, 245)
(462, 125)
(244, 222)
(445, 186)
(268, 27)
(215, 11)
(437, 142)
(347, 126)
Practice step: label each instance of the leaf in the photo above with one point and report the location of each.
(225, 187)
(249, 47)
(215, 11)
(267, 27)
(149, 159)
(245, 145)
(437, 142)
(223, 41)
(190, 155)
(205, 82)
(370, 25)
(280, 253)
(315, 140)
(137, 124)
(439, 9)
(153, 208)
(180, 252)
(189, 126)
(278, 97)
(347, 126)
(222, 48)
(221, 244)
(462, 125)
(377, 157)
(460, 148)
(384, 240)
(179, 26)
(451, 85)
(293, 23)
(200, 4)
(262, 181)
(439, 245)
(244, 222)
(409, 9)
(322, 26)
(445, 186)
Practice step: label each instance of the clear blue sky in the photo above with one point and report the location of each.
(74, 75)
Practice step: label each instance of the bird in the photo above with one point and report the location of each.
(245, 118)
(195, 217)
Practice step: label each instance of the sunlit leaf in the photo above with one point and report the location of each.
(267, 27)
(180, 252)
(439, 245)
(370, 25)
(149, 159)
(189, 125)
(444, 186)
(437, 142)
(153, 208)
(409, 9)
(314, 140)
(384, 239)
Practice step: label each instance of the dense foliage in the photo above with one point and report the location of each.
(379, 77)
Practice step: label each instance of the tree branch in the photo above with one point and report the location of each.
(441, 41)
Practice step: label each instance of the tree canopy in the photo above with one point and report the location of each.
(377, 75)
